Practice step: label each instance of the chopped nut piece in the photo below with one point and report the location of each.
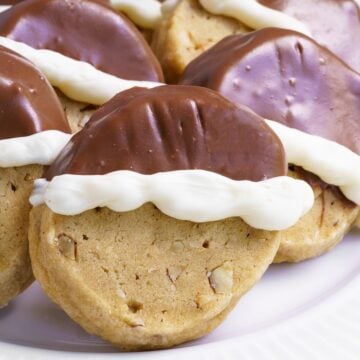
(174, 272)
(120, 293)
(177, 246)
(67, 246)
(221, 278)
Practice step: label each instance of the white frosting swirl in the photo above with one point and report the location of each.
(194, 195)
(332, 162)
(76, 79)
(40, 148)
(254, 15)
(145, 13)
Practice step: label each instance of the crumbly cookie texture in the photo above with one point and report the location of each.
(141, 279)
(186, 32)
(323, 227)
(15, 268)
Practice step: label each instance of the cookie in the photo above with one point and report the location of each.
(287, 77)
(189, 29)
(159, 265)
(28, 105)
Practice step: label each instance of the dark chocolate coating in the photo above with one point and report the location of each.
(333, 23)
(28, 103)
(173, 128)
(286, 77)
(84, 30)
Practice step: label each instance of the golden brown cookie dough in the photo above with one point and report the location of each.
(186, 32)
(323, 227)
(15, 268)
(141, 279)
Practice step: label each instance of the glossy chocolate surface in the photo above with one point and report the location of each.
(84, 30)
(173, 128)
(28, 103)
(333, 23)
(286, 77)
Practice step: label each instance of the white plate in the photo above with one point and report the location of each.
(303, 311)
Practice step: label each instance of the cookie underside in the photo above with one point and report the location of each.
(15, 268)
(141, 279)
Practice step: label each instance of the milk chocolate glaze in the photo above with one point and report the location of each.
(173, 128)
(286, 77)
(84, 30)
(9, 2)
(333, 23)
(28, 103)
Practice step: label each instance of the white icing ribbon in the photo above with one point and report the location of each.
(4, 8)
(193, 195)
(145, 13)
(332, 162)
(41, 148)
(76, 79)
(254, 15)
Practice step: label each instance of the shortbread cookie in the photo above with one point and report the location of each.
(133, 275)
(312, 91)
(190, 29)
(187, 32)
(28, 105)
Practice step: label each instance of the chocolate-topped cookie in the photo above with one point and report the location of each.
(289, 78)
(84, 30)
(28, 105)
(173, 128)
(286, 77)
(135, 276)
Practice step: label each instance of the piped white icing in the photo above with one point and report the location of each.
(76, 79)
(254, 15)
(4, 8)
(194, 195)
(332, 162)
(41, 148)
(145, 13)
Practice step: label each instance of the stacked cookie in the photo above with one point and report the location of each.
(170, 201)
